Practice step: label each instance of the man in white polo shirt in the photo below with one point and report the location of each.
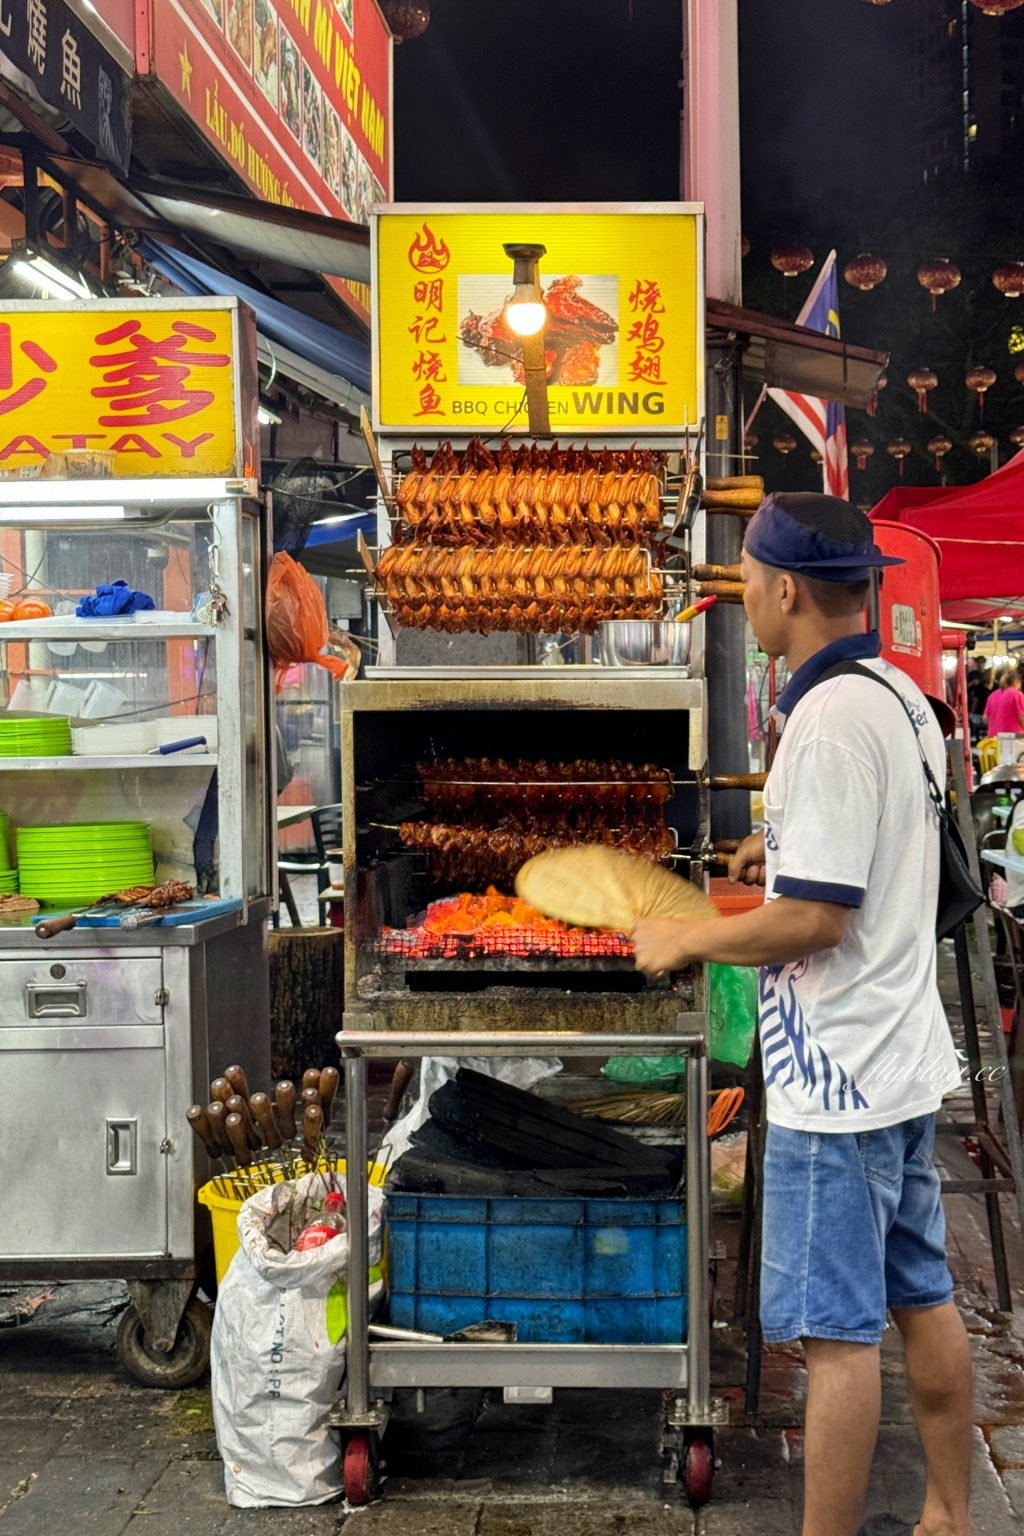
(857, 1052)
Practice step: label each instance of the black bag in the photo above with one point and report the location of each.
(959, 896)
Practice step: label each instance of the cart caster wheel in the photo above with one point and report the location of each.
(360, 1470)
(186, 1362)
(700, 1472)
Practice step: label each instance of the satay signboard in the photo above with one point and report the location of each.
(623, 287)
(294, 94)
(168, 385)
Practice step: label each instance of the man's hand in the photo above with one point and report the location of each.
(659, 944)
(747, 863)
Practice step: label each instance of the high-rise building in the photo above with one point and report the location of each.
(966, 88)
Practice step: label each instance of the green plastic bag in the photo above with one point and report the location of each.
(733, 1009)
(645, 1069)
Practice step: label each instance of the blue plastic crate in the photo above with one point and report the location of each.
(567, 1271)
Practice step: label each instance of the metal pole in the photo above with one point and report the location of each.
(357, 1199)
(698, 1216)
(988, 981)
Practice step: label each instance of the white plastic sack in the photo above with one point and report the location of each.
(277, 1355)
(435, 1071)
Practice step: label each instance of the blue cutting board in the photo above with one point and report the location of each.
(187, 912)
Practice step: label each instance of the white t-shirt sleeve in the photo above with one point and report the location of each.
(833, 807)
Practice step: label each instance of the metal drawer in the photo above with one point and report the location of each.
(60, 988)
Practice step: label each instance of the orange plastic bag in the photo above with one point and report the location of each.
(297, 621)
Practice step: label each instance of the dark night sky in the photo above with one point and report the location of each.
(552, 99)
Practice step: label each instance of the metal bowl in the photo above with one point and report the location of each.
(644, 643)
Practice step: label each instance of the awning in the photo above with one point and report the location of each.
(980, 530)
(786, 356)
(307, 351)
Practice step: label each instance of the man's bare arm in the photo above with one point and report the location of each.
(781, 930)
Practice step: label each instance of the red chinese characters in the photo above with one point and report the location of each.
(146, 384)
(10, 398)
(645, 332)
(427, 253)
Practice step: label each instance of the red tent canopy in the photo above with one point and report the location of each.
(980, 530)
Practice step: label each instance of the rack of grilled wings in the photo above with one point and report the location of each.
(527, 540)
(489, 816)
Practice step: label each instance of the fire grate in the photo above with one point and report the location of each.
(502, 943)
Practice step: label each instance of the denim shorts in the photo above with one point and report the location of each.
(853, 1225)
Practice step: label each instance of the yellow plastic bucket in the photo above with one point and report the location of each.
(224, 1210)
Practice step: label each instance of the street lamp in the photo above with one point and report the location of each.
(526, 316)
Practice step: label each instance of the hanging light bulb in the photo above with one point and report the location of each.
(525, 310)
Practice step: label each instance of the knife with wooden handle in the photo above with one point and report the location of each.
(311, 1078)
(310, 1096)
(221, 1089)
(330, 1077)
(235, 1127)
(263, 1113)
(284, 1100)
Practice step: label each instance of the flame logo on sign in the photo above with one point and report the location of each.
(427, 253)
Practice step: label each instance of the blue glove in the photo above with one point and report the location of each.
(112, 598)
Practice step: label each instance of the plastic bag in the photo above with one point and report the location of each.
(644, 1069)
(277, 1356)
(297, 621)
(733, 1008)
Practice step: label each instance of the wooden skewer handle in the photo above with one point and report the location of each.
(330, 1077)
(221, 1089)
(263, 1113)
(725, 591)
(312, 1126)
(217, 1114)
(236, 1077)
(199, 1120)
(235, 1126)
(737, 780)
(284, 1099)
(51, 926)
(311, 1078)
(236, 1105)
(726, 844)
(717, 573)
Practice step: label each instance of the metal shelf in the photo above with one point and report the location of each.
(97, 629)
(134, 760)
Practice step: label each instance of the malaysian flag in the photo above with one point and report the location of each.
(822, 421)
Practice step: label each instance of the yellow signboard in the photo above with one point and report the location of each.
(169, 386)
(623, 289)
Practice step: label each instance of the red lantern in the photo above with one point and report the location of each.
(921, 381)
(791, 260)
(784, 443)
(862, 451)
(1018, 373)
(980, 380)
(938, 277)
(865, 272)
(981, 443)
(1010, 279)
(938, 448)
(745, 246)
(750, 441)
(817, 456)
(872, 405)
(1017, 437)
(899, 448)
(406, 18)
(996, 7)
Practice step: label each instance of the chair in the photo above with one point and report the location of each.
(988, 753)
(326, 823)
(1015, 1042)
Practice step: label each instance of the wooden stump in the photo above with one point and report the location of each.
(307, 996)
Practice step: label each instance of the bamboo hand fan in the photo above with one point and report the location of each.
(593, 886)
